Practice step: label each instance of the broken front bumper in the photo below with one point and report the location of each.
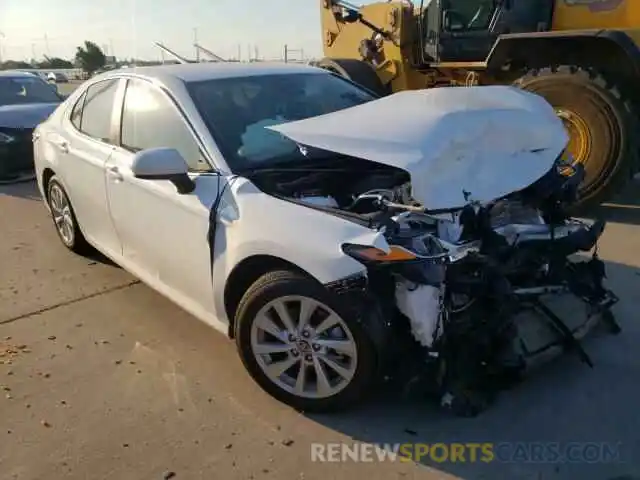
(554, 321)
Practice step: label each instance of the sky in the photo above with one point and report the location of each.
(128, 28)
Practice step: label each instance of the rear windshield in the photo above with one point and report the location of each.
(22, 90)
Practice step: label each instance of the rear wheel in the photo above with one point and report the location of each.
(301, 345)
(64, 218)
(599, 123)
(357, 71)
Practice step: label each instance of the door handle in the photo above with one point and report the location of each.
(114, 173)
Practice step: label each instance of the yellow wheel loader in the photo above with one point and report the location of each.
(581, 55)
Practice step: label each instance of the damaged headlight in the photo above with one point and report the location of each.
(396, 254)
(417, 268)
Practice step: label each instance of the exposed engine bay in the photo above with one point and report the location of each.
(468, 285)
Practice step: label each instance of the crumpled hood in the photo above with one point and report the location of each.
(457, 143)
(25, 116)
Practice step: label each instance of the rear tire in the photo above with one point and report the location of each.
(600, 123)
(64, 218)
(267, 298)
(357, 71)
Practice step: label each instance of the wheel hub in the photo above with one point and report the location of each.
(303, 346)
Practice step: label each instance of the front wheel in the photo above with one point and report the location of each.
(301, 345)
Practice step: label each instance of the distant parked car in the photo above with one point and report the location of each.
(57, 77)
(25, 101)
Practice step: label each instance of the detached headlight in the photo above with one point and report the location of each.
(6, 138)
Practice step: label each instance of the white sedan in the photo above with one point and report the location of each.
(207, 183)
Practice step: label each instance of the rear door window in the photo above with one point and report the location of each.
(97, 110)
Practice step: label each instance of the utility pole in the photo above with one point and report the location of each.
(2, 37)
(195, 42)
(239, 52)
(286, 53)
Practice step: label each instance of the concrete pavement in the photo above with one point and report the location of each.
(103, 378)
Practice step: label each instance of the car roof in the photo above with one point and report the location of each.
(194, 72)
(16, 73)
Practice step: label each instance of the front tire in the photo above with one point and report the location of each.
(64, 218)
(301, 345)
(600, 126)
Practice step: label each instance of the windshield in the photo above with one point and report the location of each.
(22, 90)
(237, 110)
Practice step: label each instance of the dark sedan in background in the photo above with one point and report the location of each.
(26, 100)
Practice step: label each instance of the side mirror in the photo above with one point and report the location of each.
(163, 164)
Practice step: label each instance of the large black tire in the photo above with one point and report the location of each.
(278, 284)
(357, 71)
(596, 108)
(75, 240)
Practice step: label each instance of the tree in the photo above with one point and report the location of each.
(90, 57)
(13, 64)
(55, 62)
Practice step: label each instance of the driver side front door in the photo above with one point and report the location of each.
(163, 233)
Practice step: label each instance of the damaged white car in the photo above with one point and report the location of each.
(339, 238)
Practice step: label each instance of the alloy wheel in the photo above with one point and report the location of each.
(304, 347)
(62, 216)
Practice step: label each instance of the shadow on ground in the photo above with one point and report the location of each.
(98, 257)
(564, 401)
(26, 189)
(625, 208)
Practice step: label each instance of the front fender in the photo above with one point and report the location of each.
(253, 223)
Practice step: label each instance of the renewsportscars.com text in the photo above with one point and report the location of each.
(505, 452)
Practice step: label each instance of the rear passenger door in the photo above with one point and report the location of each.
(84, 147)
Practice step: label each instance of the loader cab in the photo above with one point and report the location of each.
(465, 30)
